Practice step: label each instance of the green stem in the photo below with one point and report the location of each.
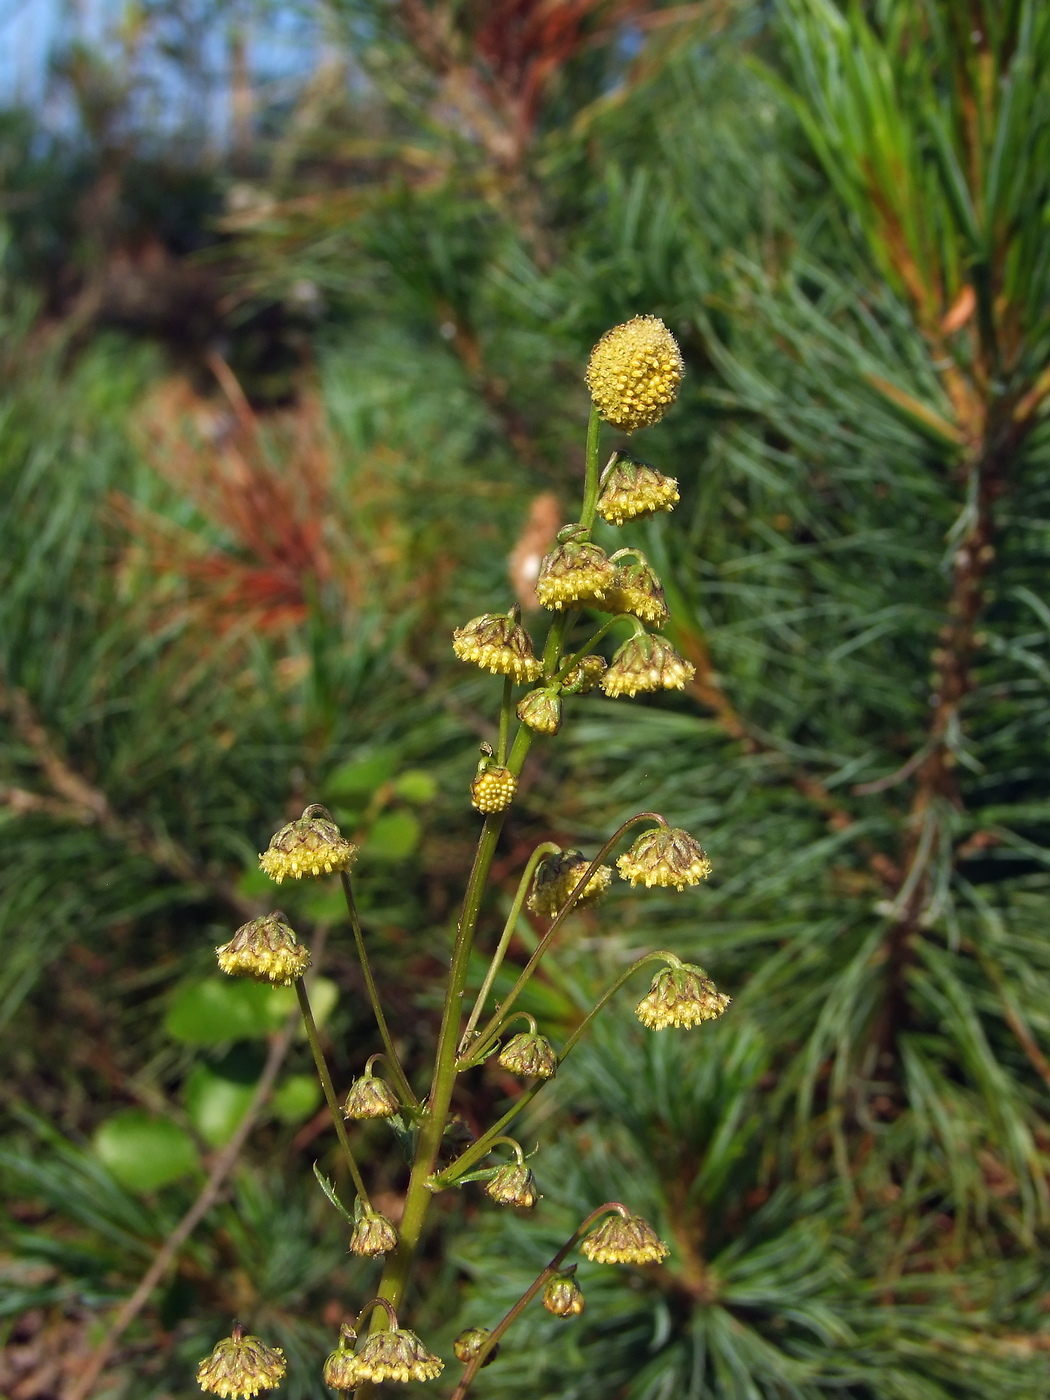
(477, 1361)
(492, 1029)
(393, 1063)
(590, 644)
(504, 720)
(547, 848)
(484, 1144)
(590, 490)
(329, 1090)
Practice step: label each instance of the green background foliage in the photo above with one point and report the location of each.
(237, 536)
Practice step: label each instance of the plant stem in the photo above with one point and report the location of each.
(478, 1360)
(545, 849)
(590, 490)
(504, 720)
(487, 1141)
(393, 1063)
(590, 644)
(329, 1089)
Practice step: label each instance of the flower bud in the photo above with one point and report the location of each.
(634, 373)
(513, 1185)
(396, 1355)
(541, 710)
(620, 1240)
(680, 996)
(558, 876)
(530, 1055)
(646, 663)
(241, 1365)
(494, 787)
(584, 676)
(498, 643)
(575, 571)
(562, 1295)
(311, 845)
(373, 1235)
(341, 1370)
(634, 490)
(665, 856)
(370, 1097)
(265, 949)
(637, 590)
(469, 1343)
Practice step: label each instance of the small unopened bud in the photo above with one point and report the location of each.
(513, 1185)
(575, 571)
(311, 845)
(634, 373)
(634, 490)
(494, 787)
(646, 663)
(241, 1365)
(562, 1295)
(373, 1235)
(680, 996)
(469, 1343)
(370, 1097)
(541, 710)
(265, 949)
(584, 676)
(498, 643)
(639, 592)
(558, 876)
(530, 1055)
(396, 1355)
(665, 856)
(624, 1241)
(341, 1370)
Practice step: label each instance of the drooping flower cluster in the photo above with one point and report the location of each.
(666, 856)
(240, 1365)
(265, 949)
(680, 996)
(621, 1239)
(311, 845)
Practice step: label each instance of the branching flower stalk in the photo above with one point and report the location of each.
(633, 376)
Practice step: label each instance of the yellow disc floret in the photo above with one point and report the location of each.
(634, 373)
(493, 789)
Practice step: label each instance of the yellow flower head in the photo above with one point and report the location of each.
(625, 1241)
(493, 789)
(558, 876)
(373, 1236)
(637, 590)
(498, 643)
(634, 490)
(584, 676)
(396, 1355)
(241, 1365)
(341, 1370)
(541, 710)
(575, 571)
(513, 1185)
(311, 845)
(665, 856)
(634, 373)
(530, 1055)
(680, 996)
(265, 949)
(646, 663)
(370, 1097)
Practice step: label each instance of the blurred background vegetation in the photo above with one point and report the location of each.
(295, 307)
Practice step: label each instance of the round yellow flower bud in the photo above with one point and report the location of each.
(493, 789)
(634, 373)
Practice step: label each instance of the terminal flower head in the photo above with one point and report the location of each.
(341, 1370)
(624, 1240)
(634, 373)
(311, 845)
(513, 1185)
(666, 856)
(241, 1365)
(370, 1097)
(680, 996)
(265, 949)
(562, 1295)
(497, 642)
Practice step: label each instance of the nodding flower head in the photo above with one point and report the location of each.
(370, 1097)
(469, 1343)
(311, 845)
(575, 571)
(497, 642)
(265, 949)
(396, 1355)
(646, 663)
(620, 1240)
(680, 996)
(633, 491)
(634, 373)
(241, 1365)
(541, 710)
(530, 1055)
(513, 1185)
(557, 877)
(341, 1370)
(562, 1295)
(373, 1235)
(665, 855)
(584, 676)
(638, 591)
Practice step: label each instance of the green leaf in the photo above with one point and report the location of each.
(296, 1098)
(393, 836)
(145, 1152)
(416, 785)
(361, 777)
(221, 1009)
(215, 1104)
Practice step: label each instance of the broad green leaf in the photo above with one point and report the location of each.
(361, 777)
(394, 836)
(143, 1151)
(416, 785)
(215, 1104)
(222, 1009)
(296, 1098)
